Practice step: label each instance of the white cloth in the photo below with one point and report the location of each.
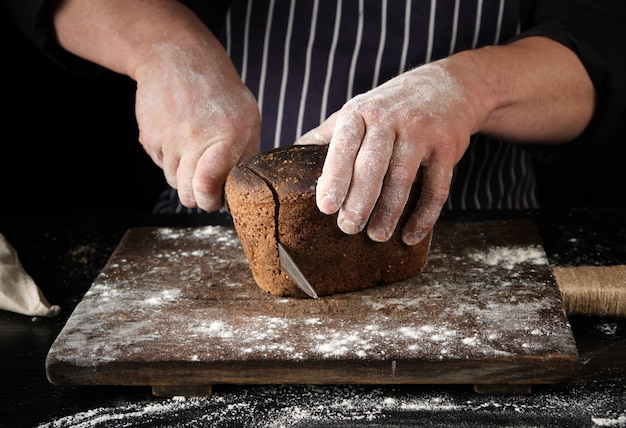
(18, 291)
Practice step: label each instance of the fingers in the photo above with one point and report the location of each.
(377, 143)
(199, 174)
(200, 179)
(397, 186)
(435, 189)
(198, 167)
(211, 172)
(368, 175)
(333, 184)
(371, 166)
(184, 180)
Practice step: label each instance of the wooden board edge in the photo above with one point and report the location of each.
(516, 371)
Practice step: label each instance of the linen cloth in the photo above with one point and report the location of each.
(18, 291)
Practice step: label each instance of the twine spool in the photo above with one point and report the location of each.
(593, 290)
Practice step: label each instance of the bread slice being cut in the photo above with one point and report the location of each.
(271, 198)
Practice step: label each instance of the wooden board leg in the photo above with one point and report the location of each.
(182, 390)
(502, 389)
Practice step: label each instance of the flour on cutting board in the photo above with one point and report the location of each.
(510, 257)
(259, 335)
(219, 238)
(192, 297)
(182, 302)
(284, 338)
(178, 280)
(217, 234)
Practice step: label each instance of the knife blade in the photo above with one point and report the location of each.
(288, 264)
(294, 272)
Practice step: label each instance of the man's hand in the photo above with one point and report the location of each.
(196, 121)
(380, 139)
(532, 91)
(196, 117)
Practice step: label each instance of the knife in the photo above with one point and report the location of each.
(290, 266)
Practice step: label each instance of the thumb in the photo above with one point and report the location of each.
(319, 135)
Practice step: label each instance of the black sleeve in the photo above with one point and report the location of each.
(34, 19)
(596, 31)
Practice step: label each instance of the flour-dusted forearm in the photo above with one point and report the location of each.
(196, 117)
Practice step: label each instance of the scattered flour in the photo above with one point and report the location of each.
(216, 234)
(620, 421)
(608, 328)
(307, 405)
(197, 327)
(510, 257)
(163, 297)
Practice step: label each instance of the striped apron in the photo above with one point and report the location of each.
(303, 59)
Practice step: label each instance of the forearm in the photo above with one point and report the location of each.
(534, 90)
(196, 118)
(121, 35)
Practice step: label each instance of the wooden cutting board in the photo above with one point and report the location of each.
(178, 310)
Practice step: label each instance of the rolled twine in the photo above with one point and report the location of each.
(593, 290)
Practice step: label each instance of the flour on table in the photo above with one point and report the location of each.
(288, 406)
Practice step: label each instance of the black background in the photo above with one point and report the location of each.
(69, 142)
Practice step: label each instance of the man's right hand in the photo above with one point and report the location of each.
(196, 117)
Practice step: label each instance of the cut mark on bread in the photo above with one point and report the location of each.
(274, 196)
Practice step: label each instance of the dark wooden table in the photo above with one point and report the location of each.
(65, 253)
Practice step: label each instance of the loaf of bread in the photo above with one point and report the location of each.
(271, 198)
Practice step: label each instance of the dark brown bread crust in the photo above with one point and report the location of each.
(272, 196)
